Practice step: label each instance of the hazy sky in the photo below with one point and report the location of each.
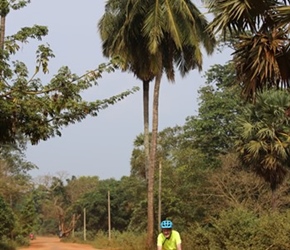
(99, 146)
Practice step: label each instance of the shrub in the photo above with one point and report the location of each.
(7, 244)
(239, 229)
(273, 232)
(121, 241)
(7, 220)
(22, 241)
(234, 229)
(195, 237)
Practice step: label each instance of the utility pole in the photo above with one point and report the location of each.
(109, 215)
(73, 225)
(85, 236)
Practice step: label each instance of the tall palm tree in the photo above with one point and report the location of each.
(176, 33)
(262, 45)
(153, 37)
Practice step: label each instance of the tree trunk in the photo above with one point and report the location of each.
(146, 126)
(150, 208)
(4, 10)
(2, 32)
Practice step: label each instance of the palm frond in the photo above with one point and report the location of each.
(236, 16)
(259, 61)
(264, 143)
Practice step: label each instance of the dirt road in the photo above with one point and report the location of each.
(51, 243)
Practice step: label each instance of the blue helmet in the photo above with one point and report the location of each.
(166, 224)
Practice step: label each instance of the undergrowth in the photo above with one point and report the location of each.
(235, 229)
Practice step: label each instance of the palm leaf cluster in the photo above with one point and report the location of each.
(264, 143)
(150, 36)
(260, 29)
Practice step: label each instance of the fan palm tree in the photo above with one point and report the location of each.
(262, 47)
(264, 142)
(152, 37)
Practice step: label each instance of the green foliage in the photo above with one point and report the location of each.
(22, 240)
(168, 37)
(121, 241)
(213, 130)
(13, 244)
(7, 220)
(263, 141)
(38, 111)
(14, 174)
(234, 230)
(240, 229)
(124, 195)
(28, 217)
(6, 246)
(195, 237)
(274, 231)
(184, 170)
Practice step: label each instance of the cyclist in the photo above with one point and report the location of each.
(31, 236)
(168, 239)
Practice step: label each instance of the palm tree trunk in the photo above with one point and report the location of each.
(274, 200)
(2, 32)
(153, 149)
(146, 126)
(3, 12)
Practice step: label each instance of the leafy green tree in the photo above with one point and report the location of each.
(213, 130)
(76, 187)
(34, 110)
(96, 204)
(53, 203)
(184, 171)
(264, 136)
(28, 217)
(183, 177)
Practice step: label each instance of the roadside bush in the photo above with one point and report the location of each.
(273, 232)
(120, 241)
(234, 229)
(79, 237)
(195, 237)
(7, 244)
(240, 229)
(22, 241)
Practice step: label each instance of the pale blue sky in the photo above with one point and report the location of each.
(102, 145)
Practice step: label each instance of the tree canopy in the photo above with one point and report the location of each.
(34, 110)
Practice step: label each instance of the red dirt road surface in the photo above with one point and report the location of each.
(52, 243)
